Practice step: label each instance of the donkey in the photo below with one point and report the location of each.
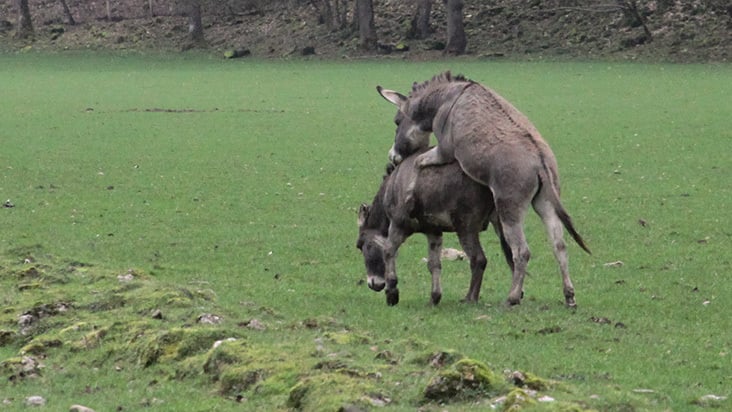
(496, 146)
(444, 200)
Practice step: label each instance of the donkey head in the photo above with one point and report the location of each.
(412, 133)
(371, 243)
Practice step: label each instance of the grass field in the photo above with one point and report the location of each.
(231, 187)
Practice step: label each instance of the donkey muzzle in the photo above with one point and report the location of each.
(376, 284)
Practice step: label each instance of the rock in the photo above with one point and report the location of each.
(710, 401)
(35, 401)
(80, 408)
(236, 53)
(220, 342)
(255, 324)
(452, 254)
(209, 319)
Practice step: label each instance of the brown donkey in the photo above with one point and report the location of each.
(498, 147)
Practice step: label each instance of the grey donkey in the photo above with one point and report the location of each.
(444, 200)
(496, 146)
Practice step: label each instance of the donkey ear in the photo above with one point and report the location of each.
(393, 97)
(363, 213)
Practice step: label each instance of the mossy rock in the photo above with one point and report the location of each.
(517, 400)
(41, 345)
(7, 337)
(176, 344)
(239, 379)
(228, 353)
(330, 392)
(89, 340)
(466, 379)
(534, 382)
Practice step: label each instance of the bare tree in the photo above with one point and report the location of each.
(634, 17)
(67, 13)
(366, 27)
(332, 13)
(195, 22)
(25, 24)
(457, 42)
(420, 28)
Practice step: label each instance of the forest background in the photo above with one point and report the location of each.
(649, 30)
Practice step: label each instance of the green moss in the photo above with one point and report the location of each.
(438, 359)
(239, 379)
(329, 392)
(345, 337)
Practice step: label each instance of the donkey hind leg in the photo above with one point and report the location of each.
(511, 216)
(470, 243)
(555, 232)
(435, 266)
(505, 248)
(395, 239)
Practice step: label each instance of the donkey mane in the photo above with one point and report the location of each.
(444, 77)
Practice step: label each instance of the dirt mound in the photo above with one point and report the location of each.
(660, 30)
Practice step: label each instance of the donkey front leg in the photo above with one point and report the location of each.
(435, 266)
(436, 156)
(395, 239)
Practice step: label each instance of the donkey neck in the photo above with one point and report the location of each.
(377, 218)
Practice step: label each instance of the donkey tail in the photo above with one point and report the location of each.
(567, 221)
(553, 194)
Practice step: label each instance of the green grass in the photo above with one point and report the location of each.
(249, 186)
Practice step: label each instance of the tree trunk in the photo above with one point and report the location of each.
(67, 13)
(420, 28)
(150, 8)
(109, 11)
(366, 28)
(634, 17)
(195, 23)
(456, 39)
(25, 25)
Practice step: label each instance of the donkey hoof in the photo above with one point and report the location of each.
(392, 297)
(435, 299)
(570, 303)
(513, 302)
